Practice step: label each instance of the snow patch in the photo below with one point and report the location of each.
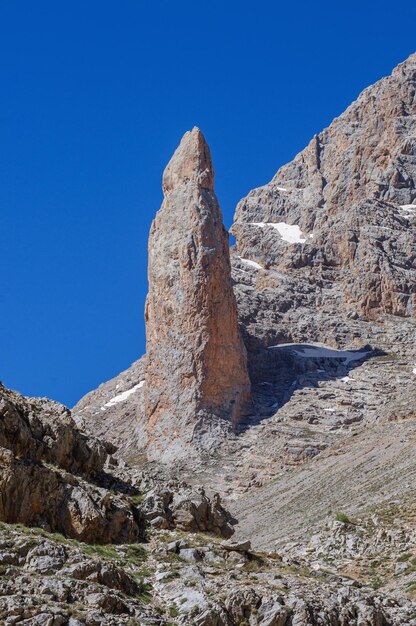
(282, 189)
(291, 233)
(408, 210)
(320, 351)
(414, 370)
(121, 397)
(345, 379)
(257, 266)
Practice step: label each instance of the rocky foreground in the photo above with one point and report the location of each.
(90, 541)
(177, 578)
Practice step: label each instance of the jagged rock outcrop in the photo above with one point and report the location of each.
(49, 474)
(196, 373)
(344, 207)
(42, 430)
(188, 510)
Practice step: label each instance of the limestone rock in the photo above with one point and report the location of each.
(345, 206)
(196, 375)
(187, 510)
(47, 469)
(42, 430)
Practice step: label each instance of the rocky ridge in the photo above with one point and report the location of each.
(347, 199)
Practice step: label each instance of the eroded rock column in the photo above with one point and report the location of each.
(196, 377)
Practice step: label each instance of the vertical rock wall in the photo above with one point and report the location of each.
(196, 377)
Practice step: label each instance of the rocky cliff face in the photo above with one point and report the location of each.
(196, 375)
(325, 253)
(117, 408)
(52, 475)
(343, 208)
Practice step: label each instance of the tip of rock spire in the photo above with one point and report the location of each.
(191, 163)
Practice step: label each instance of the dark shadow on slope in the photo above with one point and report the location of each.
(276, 372)
(106, 480)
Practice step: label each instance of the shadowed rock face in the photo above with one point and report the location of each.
(196, 374)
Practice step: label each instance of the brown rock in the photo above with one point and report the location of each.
(46, 470)
(196, 376)
(42, 430)
(37, 495)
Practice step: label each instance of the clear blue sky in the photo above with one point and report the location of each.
(95, 96)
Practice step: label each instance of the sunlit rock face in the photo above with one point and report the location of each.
(196, 375)
(351, 193)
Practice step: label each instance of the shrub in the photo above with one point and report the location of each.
(343, 517)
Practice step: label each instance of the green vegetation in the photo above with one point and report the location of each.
(376, 583)
(137, 499)
(107, 552)
(343, 518)
(129, 554)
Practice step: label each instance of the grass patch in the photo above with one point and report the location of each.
(343, 518)
(376, 583)
(130, 554)
(411, 589)
(107, 552)
(137, 499)
(173, 574)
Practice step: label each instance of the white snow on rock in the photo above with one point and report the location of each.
(257, 266)
(414, 370)
(408, 210)
(291, 233)
(320, 351)
(282, 189)
(121, 397)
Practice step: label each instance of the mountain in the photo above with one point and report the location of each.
(325, 254)
(256, 466)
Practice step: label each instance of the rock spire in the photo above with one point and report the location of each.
(196, 375)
